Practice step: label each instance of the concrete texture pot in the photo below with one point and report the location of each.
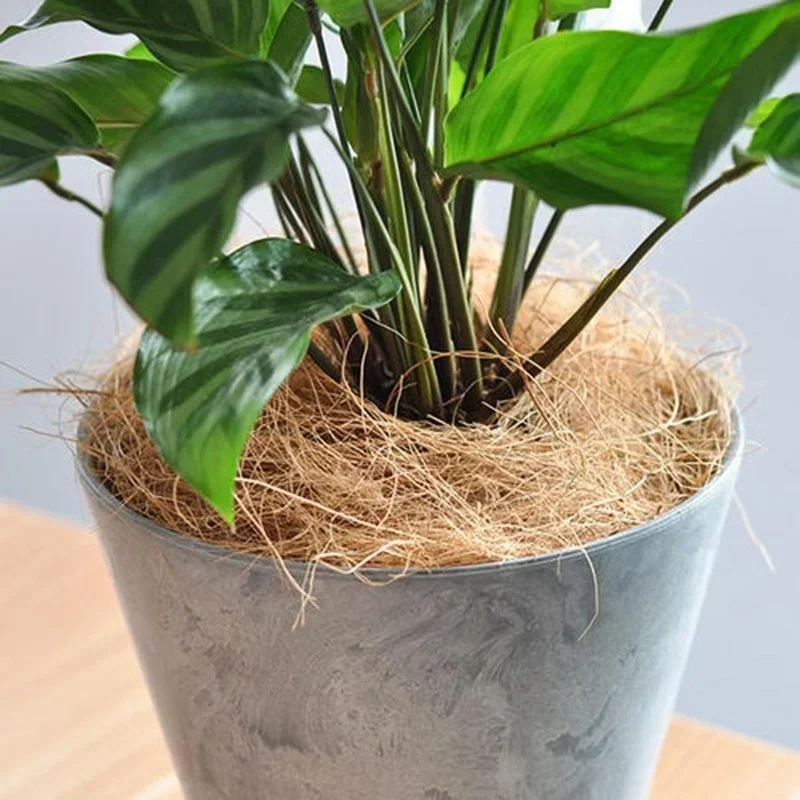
(476, 683)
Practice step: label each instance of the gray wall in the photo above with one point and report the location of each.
(738, 259)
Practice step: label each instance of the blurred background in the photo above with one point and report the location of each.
(737, 258)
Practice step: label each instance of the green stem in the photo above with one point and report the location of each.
(439, 29)
(577, 322)
(416, 330)
(541, 250)
(441, 224)
(438, 316)
(440, 98)
(393, 194)
(67, 194)
(658, 17)
(541, 20)
(510, 276)
(292, 220)
(464, 202)
(321, 359)
(316, 177)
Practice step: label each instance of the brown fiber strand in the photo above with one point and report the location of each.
(622, 428)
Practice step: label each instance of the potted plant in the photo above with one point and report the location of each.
(533, 675)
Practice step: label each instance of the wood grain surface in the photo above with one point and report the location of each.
(77, 723)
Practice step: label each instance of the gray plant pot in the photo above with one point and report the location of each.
(476, 683)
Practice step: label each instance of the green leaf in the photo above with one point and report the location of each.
(215, 135)
(38, 122)
(351, 12)
(562, 8)
(762, 112)
(313, 87)
(184, 34)
(289, 43)
(140, 52)
(777, 140)
(620, 118)
(256, 310)
(119, 94)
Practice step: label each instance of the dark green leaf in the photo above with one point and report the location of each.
(350, 12)
(119, 94)
(619, 118)
(38, 122)
(313, 87)
(777, 140)
(215, 135)
(256, 310)
(184, 34)
(289, 43)
(277, 10)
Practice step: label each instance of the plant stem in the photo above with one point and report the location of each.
(435, 61)
(541, 20)
(321, 359)
(541, 250)
(440, 96)
(429, 385)
(465, 193)
(66, 194)
(577, 322)
(510, 276)
(438, 316)
(395, 203)
(316, 177)
(441, 224)
(658, 17)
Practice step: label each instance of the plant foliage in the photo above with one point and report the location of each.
(437, 96)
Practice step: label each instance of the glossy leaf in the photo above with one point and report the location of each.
(619, 118)
(119, 94)
(777, 140)
(255, 312)
(351, 12)
(38, 121)
(184, 34)
(215, 135)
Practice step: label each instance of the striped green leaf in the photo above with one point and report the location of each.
(215, 135)
(38, 121)
(777, 139)
(351, 12)
(119, 94)
(184, 34)
(256, 310)
(620, 118)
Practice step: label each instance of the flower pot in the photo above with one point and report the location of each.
(548, 678)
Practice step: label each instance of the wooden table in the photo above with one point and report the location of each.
(77, 723)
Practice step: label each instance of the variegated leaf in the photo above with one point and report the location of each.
(215, 135)
(619, 118)
(255, 313)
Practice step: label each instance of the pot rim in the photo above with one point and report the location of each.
(667, 520)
